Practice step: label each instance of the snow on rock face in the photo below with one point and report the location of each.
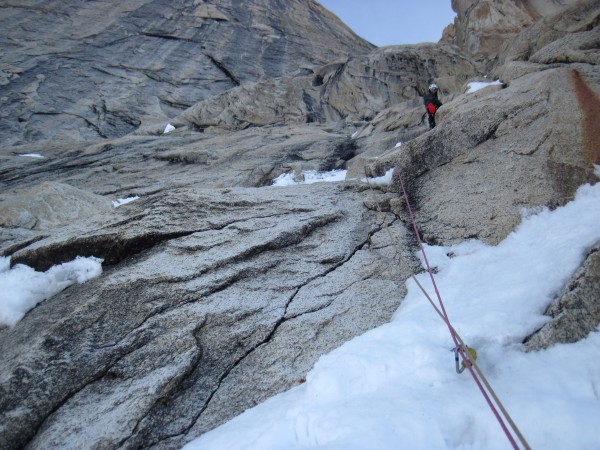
(217, 294)
(261, 272)
(310, 177)
(23, 288)
(395, 386)
(576, 311)
(478, 85)
(123, 201)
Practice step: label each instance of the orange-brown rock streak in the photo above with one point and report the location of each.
(590, 106)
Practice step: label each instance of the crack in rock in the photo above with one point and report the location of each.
(113, 248)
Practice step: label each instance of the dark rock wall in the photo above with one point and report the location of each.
(88, 70)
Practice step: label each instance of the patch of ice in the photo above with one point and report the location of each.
(310, 177)
(384, 180)
(23, 287)
(477, 85)
(123, 201)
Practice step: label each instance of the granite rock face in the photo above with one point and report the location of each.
(567, 38)
(576, 311)
(99, 70)
(354, 90)
(504, 150)
(515, 149)
(394, 75)
(219, 290)
(482, 26)
(205, 292)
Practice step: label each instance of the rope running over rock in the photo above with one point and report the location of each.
(461, 347)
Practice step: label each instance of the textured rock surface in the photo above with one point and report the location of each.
(482, 26)
(576, 311)
(513, 149)
(499, 151)
(368, 84)
(47, 206)
(354, 90)
(569, 37)
(219, 291)
(95, 70)
(205, 292)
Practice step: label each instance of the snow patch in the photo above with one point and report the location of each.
(310, 177)
(396, 387)
(23, 287)
(477, 85)
(384, 180)
(122, 201)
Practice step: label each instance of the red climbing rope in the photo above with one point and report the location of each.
(451, 329)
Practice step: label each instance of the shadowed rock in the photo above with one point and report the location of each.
(96, 70)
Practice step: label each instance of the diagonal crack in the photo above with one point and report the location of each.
(91, 379)
(224, 69)
(283, 319)
(113, 248)
(283, 240)
(174, 385)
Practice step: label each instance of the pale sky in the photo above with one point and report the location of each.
(392, 22)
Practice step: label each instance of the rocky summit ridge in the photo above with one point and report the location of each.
(219, 290)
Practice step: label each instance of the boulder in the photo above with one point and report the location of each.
(497, 155)
(289, 100)
(49, 205)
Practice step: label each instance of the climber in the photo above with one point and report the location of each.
(432, 103)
